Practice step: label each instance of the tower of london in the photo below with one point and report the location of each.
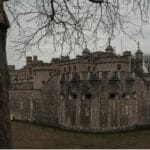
(97, 91)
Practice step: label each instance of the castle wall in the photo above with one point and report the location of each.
(26, 85)
(24, 104)
(50, 100)
(104, 104)
(87, 94)
(86, 105)
(38, 106)
(40, 78)
(113, 67)
(148, 101)
(77, 67)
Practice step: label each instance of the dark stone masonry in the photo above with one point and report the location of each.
(96, 92)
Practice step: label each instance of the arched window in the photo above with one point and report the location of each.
(126, 96)
(118, 67)
(74, 96)
(88, 96)
(114, 95)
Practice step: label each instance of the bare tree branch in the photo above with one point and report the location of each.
(71, 23)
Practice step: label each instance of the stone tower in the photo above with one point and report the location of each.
(86, 52)
(109, 48)
(139, 60)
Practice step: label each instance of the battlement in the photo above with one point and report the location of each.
(11, 67)
(33, 60)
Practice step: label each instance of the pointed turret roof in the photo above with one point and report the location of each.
(139, 50)
(109, 47)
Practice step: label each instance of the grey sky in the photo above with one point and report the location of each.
(47, 51)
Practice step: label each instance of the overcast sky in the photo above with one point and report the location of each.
(47, 52)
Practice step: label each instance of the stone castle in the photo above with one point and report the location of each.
(96, 92)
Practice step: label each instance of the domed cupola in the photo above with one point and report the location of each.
(86, 52)
(109, 48)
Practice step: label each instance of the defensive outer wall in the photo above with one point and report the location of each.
(95, 103)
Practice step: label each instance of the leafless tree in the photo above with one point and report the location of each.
(64, 23)
(73, 23)
(5, 130)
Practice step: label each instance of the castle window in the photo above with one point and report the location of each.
(88, 96)
(75, 68)
(114, 96)
(89, 68)
(74, 96)
(50, 73)
(118, 67)
(134, 96)
(126, 96)
(142, 92)
(62, 77)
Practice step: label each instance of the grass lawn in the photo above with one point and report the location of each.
(33, 136)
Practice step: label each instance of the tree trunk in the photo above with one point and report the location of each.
(5, 124)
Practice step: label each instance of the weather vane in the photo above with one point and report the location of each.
(85, 44)
(109, 41)
(138, 45)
